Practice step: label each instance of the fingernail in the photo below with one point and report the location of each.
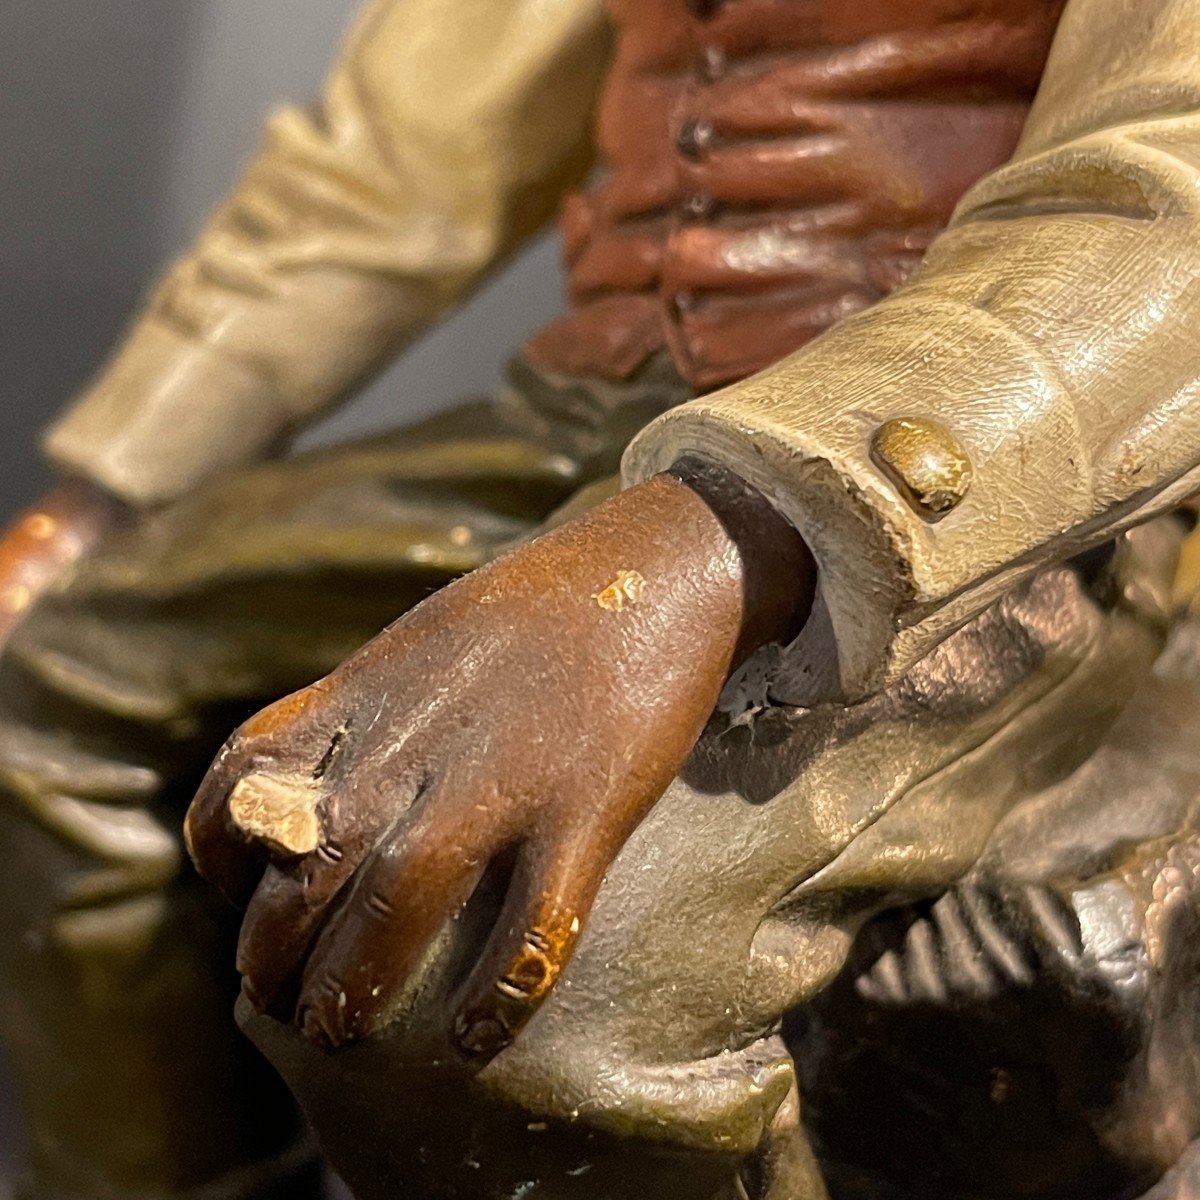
(481, 1035)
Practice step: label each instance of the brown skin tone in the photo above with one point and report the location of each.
(45, 540)
(528, 712)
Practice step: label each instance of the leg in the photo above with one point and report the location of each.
(1036, 1030)
(117, 1022)
(658, 1058)
(115, 964)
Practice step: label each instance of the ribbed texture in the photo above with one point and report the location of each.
(774, 165)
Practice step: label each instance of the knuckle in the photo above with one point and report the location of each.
(379, 906)
(331, 852)
(532, 972)
(492, 1024)
(330, 987)
(323, 1014)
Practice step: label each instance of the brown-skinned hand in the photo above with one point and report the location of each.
(535, 709)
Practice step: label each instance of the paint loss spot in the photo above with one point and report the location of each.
(624, 592)
(280, 812)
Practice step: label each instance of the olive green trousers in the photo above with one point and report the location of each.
(657, 1066)
(116, 963)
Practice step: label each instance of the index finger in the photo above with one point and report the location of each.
(227, 853)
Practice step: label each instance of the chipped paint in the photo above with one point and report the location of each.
(624, 592)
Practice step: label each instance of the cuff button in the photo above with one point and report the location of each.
(926, 462)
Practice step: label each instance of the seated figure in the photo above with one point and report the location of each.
(655, 852)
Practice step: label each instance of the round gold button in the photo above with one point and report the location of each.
(925, 461)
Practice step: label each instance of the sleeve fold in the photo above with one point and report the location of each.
(1041, 367)
(448, 132)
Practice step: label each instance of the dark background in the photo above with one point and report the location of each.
(121, 123)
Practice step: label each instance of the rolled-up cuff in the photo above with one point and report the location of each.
(841, 438)
(166, 413)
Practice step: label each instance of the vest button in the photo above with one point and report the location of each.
(697, 207)
(679, 305)
(712, 64)
(926, 462)
(694, 138)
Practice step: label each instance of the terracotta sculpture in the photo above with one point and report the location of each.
(859, 716)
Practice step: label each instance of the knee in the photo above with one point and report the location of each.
(85, 878)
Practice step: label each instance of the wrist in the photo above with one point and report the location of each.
(778, 574)
(78, 511)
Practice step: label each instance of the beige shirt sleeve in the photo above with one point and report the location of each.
(448, 132)
(1032, 391)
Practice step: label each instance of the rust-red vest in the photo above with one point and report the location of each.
(769, 166)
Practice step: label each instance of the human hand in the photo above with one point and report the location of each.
(45, 540)
(527, 716)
